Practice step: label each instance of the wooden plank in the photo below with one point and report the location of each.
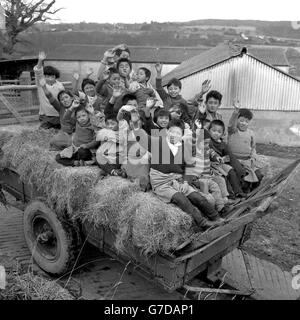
(12, 109)
(20, 110)
(269, 281)
(10, 121)
(236, 272)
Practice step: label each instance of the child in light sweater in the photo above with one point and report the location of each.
(241, 140)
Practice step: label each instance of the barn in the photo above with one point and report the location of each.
(72, 58)
(257, 78)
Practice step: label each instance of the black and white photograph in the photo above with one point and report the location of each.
(149, 153)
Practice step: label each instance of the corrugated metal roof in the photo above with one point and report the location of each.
(273, 56)
(255, 84)
(139, 54)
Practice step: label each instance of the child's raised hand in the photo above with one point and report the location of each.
(76, 76)
(42, 56)
(206, 86)
(109, 54)
(219, 159)
(76, 103)
(42, 82)
(150, 103)
(117, 92)
(105, 75)
(201, 106)
(89, 72)
(134, 76)
(198, 124)
(158, 67)
(236, 105)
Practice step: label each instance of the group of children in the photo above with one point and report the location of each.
(180, 149)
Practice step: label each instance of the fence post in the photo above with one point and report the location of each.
(26, 96)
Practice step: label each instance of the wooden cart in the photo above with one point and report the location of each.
(55, 242)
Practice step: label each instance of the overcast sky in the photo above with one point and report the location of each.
(131, 11)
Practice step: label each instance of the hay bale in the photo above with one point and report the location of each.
(152, 225)
(106, 201)
(69, 189)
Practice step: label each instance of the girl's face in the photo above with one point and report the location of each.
(141, 76)
(174, 135)
(216, 132)
(115, 80)
(163, 121)
(243, 123)
(65, 100)
(50, 79)
(82, 117)
(212, 105)
(124, 69)
(173, 91)
(89, 90)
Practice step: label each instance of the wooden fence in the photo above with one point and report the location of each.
(19, 102)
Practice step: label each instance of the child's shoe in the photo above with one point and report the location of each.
(76, 163)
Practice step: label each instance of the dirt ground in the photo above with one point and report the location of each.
(276, 237)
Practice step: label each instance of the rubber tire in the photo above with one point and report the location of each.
(66, 237)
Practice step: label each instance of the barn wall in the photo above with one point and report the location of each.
(67, 68)
(280, 127)
(256, 85)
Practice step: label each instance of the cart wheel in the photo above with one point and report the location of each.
(51, 241)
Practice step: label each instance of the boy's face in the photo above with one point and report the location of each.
(124, 69)
(174, 91)
(111, 124)
(66, 100)
(216, 132)
(175, 135)
(89, 90)
(115, 80)
(82, 117)
(141, 76)
(50, 79)
(212, 105)
(163, 121)
(243, 123)
(132, 103)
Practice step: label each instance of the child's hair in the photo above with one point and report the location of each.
(111, 117)
(246, 113)
(81, 108)
(214, 94)
(176, 123)
(219, 123)
(175, 82)
(68, 92)
(112, 71)
(124, 60)
(147, 72)
(119, 51)
(128, 97)
(87, 81)
(161, 113)
(51, 71)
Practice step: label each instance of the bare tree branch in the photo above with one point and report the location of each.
(22, 14)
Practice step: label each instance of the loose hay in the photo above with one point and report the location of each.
(152, 225)
(106, 201)
(70, 189)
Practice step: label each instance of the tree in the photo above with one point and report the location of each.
(21, 15)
